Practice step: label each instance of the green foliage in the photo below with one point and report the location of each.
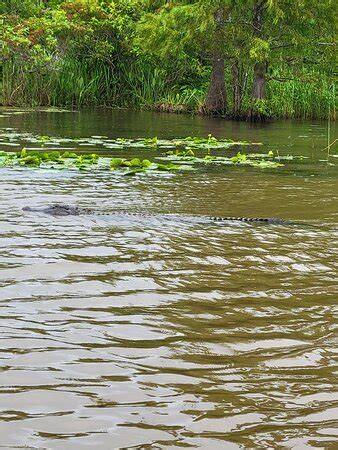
(260, 50)
(157, 54)
(239, 158)
(151, 142)
(308, 95)
(168, 167)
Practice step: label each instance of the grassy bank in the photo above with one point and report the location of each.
(151, 55)
(73, 83)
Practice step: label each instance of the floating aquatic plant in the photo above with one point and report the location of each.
(9, 138)
(182, 158)
(150, 142)
(87, 162)
(258, 160)
(240, 158)
(177, 154)
(181, 153)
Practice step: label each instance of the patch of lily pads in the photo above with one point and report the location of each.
(86, 162)
(10, 137)
(261, 160)
(173, 160)
(170, 155)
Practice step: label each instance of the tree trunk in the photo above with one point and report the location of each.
(237, 90)
(259, 83)
(256, 113)
(215, 103)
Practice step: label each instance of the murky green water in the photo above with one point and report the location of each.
(139, 333)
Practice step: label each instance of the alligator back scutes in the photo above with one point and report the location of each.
(249, 219)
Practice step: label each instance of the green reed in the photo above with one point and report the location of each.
(310, 96)
(75, 82)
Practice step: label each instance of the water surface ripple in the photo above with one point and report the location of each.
(121, 332)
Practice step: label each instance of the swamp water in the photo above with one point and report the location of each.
(121, 332)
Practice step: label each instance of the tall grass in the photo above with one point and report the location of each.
(74, 82)
(23, 87)
(69, 83)
(81, 83)
(310, 97)
(143, 85)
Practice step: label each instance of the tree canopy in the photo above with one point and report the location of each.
(221, 57)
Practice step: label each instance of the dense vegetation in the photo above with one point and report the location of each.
(243, 59)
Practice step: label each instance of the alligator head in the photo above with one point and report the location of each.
(58, 210)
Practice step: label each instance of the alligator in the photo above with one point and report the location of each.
(68, 210)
